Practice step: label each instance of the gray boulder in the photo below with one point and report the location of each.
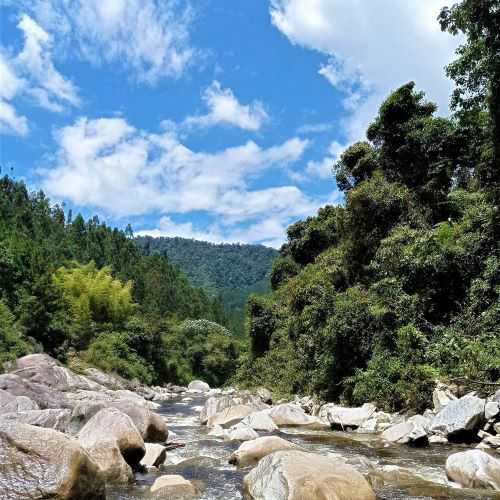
(409, 432)
(474, 469)
(491, 410)
(108, 381)
(290, 414)
(10, 403)
(155, 455)
(38, 463)
(342, 417)
(198, 385)
(464, 414)
(51, 418)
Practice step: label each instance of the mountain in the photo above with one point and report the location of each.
(230, 270)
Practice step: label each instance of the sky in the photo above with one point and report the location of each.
(217, 120)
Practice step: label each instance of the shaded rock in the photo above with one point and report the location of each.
(265, 395)
(297, 475)
(172, 486)
(491, 409)
(229, 416)
(43, 396)
(492, 442)
(155, 455)
(340, 417)
(198, 385)
(409, 432)
(10, 403)
(459, 416)
(474, 469)
(242, 434)
(43, 463)
(50, 418)
(250, 452)
(289, 414)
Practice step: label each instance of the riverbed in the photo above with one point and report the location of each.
(204, 460)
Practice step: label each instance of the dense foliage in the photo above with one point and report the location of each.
(82, 292)
(233, 271)
(376, 299)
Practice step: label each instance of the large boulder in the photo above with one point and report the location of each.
(259, 421)
(474, 469)
(172, 486)
(43, 396)
(113, 441)
(50, 418)
(198, 385)
(108, 381)
(441, 396)
(460, 416)
(289, 414)
(409, 432)
(343, 417)
(242, 434)
(250, 452)
(298, 475)
(44, 370)
(10, 403)
(229, 416)
(43, 463)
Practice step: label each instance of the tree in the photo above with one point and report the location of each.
(356, 164)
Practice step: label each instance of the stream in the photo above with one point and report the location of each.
(204, 461)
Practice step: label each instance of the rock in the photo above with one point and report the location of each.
(172, 486)
(250, 452)
(113, 441)
(265, 395)
(458, 417)
(495, 397)
(10, 403)
(297, 475)
(50, 418)
(215, 405)
(187, 400)
(497, 427)
(435, 439)
(198, 385)
(197, 409)
(492, 442)
(368, 427)
(341, 417)
(43, 463)
(229, 416)
(242, 434)
(491, 409)
(474, 469)
(218, 431)
(429, 414)
(259, 421)
(383, 417)
(44, 397)
(44, 370)
(289, 414)
(409, 432)
(108, 381)
(155, 455)
(440, 399)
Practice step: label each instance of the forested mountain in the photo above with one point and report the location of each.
(81, 291)
(232, 271)
(376, 299)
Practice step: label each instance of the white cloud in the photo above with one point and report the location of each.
(110, 165)
(224, 108)
(314, 128)
(324, 168)
(151, 37)
(372, 48)
(10, 86)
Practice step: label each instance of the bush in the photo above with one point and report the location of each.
(12, 343)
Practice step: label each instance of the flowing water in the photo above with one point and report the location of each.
(204, 461)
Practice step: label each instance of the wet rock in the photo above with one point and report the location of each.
(259, 421)
(43, 396)
(265, 395)
(43, 463)
(10, 403)
(50, 418)
(198, 385)
(289, 414)
(172, 486)
(458, 417)
(229, 416)
(474, 469)
(491, 409)
(393, 475)
(113, 441)
(155, 455)
(297, 475)
(250, 452)
(409, 432)
(242, 434)
(340, 417)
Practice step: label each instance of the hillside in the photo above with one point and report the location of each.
(230, 270)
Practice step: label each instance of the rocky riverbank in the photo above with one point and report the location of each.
(67, 435)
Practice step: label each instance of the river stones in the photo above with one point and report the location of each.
(229, 416)
(50, 418)
(242, 434)
(410, 432)
(298, 475)
(155, 455)
(114, 442)
(342, 417)
(172, 486)
(108, 381)
(198, 385)
(42, 463)
(289, 414)
(250, 452)
(259, 421)
(44, 397)
(474, 469)
(10, 403)
(460, 416)
(491, 410)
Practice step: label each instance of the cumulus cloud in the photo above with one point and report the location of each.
(224, 108)
(314, 128)
(31, 74)
(324, 167)
(369, 53)
(110, 165)
(151, 37)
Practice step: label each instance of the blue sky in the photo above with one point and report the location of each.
(212, 119)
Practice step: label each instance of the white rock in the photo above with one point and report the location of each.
(172, 486)
(474, 469)
(229, 416)
(242, 434)
(491, 410)
(199, 386)
(348, 417)
(155, 455)
(405, 433)
(289, 414)
(259, 421)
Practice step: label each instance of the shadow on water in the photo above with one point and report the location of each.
(204, 460)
